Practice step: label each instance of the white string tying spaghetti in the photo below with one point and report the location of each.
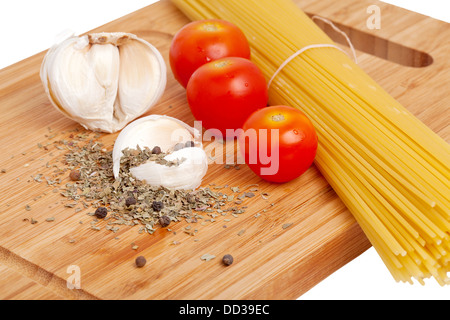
(312, 46)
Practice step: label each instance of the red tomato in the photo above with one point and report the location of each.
(203, 41)
(223, 93)
(279, 143)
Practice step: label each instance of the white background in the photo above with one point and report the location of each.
(30, 26)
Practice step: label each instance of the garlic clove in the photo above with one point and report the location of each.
(164, 132)
(104, 62)
(139, 75)
(187, 175)
(71, 72)
(94, 81)
(151, 131)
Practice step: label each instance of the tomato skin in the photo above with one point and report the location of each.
(296, 143)
(203, 41)
(223, 93)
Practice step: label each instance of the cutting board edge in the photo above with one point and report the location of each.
(42, 277)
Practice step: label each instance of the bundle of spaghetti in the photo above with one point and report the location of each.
(389, 169)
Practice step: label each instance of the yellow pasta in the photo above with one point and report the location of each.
(390, 170)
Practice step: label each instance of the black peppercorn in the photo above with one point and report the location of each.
(227, 259)
(157, 205)
(156, 150)
(164, 221)
(130, 201)
(189, 144)
(140, 261)
(101, 212)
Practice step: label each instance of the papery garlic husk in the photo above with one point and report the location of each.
(165, 132)
(103, 80)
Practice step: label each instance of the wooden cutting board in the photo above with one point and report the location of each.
(291, 241)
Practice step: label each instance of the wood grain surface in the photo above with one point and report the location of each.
(271, 261)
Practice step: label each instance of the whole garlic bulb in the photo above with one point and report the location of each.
(164, 132)
(103, 80)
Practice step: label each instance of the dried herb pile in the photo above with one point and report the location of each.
(132, 202)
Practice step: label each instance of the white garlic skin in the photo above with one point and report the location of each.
(105, 80)
(164, 132)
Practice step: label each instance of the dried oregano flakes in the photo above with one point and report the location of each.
(129, 200)
(88, 164)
